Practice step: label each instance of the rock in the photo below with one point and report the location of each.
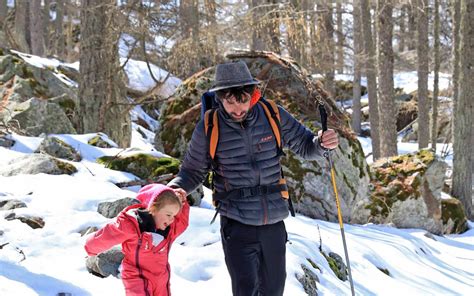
(106, 263)
(6, 143)
(58, 148)
(453, 216)
(142, 165)
(112, 209)
(37, 116)
(11, 204)
(33, 222)
(407, 192)
(97, 141)
(407, 112)
(337, 265)
(308, 280)
(88, 230)
(21, 82)
(445, 115)
(289, 86)
(33, 164)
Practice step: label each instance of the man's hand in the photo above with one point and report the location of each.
(328, 139)
(180, 193)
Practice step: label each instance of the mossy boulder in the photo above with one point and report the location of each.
(337, 265)
(21, 81)
(308, 280)
(58, 148)
(33, 164)
(99, 141)
(287, 84)
(36, 116)
(445, 115)
(406, 191)
(142, 165)
(453, 215)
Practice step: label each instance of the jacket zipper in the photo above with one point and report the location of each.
(137, 262)
(257, 173)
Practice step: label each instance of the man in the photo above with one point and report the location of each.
(247, 170)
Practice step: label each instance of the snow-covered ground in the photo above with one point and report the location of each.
(52, 259)
(55, 258)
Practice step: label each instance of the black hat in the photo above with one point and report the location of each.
(232, 74)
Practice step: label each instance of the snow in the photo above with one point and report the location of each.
(404, 148)
(140, 79)
(55, 258)
(407, 81)
(52, 259)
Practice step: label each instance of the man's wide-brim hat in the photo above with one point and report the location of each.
(232, 74)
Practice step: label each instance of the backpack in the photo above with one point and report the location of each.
(211, 128)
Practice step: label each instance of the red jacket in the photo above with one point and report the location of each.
(145, 268)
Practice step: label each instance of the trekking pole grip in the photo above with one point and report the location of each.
(324, 117)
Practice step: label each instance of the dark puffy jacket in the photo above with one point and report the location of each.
(246, 156)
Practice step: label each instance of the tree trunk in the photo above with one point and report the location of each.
(434, 111)
(387, 109)
(455, 53)
(296, 31)
(371, 77)
(60, 44)
(20, 31)
(36, 28)
(412, 25)
(101, 90)
(402, 32)
(3, 12)
(356, 89)
(423, 71)
(340, 39)
(211, 10)
(462, 172)
(266, 27)
(71, 12)
(46, 26)
(326, 37)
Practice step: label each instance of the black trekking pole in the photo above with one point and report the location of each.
(327, 154)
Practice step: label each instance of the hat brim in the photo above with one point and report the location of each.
(221, 87)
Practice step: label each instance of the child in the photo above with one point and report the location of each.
(146, 232)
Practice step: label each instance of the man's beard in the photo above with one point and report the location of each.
(238, 119)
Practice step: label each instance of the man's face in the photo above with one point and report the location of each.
(237, 110)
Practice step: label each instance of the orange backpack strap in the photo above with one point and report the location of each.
(273, 115)
(211, 128)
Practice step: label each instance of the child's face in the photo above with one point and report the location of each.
(165, 216)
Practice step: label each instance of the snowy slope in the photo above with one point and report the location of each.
(55, 258)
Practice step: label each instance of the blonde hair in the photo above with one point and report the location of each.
(167, 197)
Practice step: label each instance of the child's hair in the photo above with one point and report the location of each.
(165, 198)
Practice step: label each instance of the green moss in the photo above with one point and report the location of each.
(67, 104)
(97, 141)
(453, 209)
(142, 165)
(334, 267)
(65, 167)
(397, 179)
(314, 265)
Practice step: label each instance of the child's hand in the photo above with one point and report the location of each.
(180, 193)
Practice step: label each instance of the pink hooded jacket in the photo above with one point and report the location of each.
(146, 270)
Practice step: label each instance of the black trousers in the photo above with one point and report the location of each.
(255, 257)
